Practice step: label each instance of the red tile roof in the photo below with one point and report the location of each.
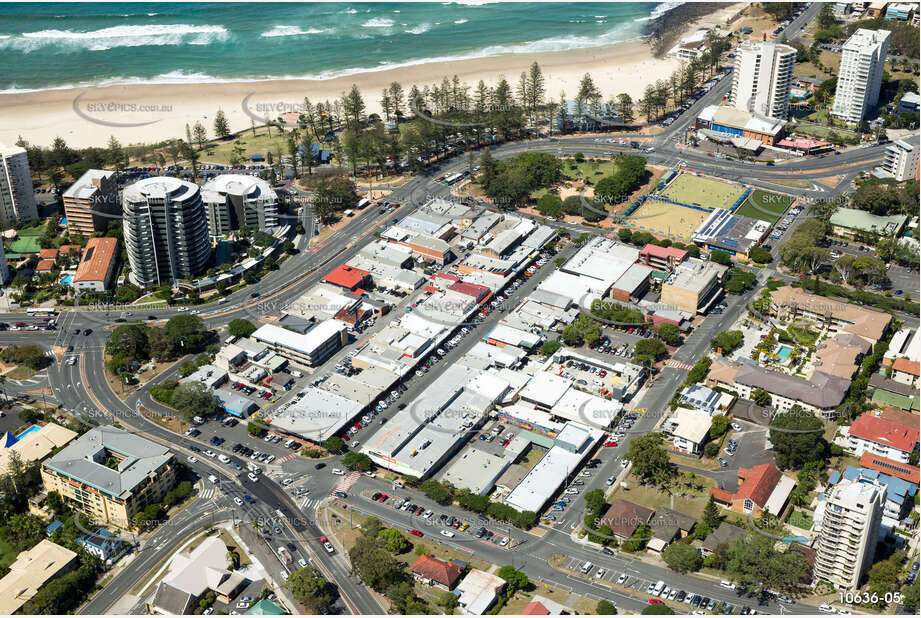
(475, 290)
(44, 265)
(96, 261)
(445, 573)
(535, 608)
(448, 276)
(664, 252)
(69, 248)
(346, 276)
(885, 432)
(756, 483)
(906, 366)
(48, 254)
(900, 470)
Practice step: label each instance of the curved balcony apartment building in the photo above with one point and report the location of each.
(233, 201)
(166, 230)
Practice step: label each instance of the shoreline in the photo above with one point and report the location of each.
(147, 113)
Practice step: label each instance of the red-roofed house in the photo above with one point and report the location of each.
(882, 437)
(70, 248)
(761, 488)
(44, 266)
(904, 471)
(542, 606)
(906, 371)
(662, 258)
(348, 277)
(48, 254)
(436, 572)
(535, 608)
(476, 291)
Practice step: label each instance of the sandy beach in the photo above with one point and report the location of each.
(146, 113)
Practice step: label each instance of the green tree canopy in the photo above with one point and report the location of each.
(241, 328)
(682, 557)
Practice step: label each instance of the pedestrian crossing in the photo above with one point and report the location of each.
(310, 503)
(678, 365)
(287, 458)
(347, 482)
(207, 494)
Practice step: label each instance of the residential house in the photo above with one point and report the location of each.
(761, 488)
(882, 437)
(624, 517)
(440, 573)
(479, 591)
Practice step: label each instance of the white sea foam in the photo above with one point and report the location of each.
(461, 21)
(660, 10)
(419, 29)
(280, 31)
(117, 36)
(378, 22)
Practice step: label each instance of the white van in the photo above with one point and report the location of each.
(660, 586)
(586, 567)
(212, 478)
(289, 443)
(297, 374)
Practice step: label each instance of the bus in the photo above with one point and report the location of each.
(450, 179)
(42, 311)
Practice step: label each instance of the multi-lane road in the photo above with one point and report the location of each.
(82, 387)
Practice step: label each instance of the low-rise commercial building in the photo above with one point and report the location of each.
(689, 430)
(735, 123)
(734, 234)
(664, 259)
(98, 266)
(850, 222)
(192, 574)
(479, 591)
(694, 286)
(110, 474)
(310, 349)
(476, 470)
(318, 415)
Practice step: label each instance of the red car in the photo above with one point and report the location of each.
(656, 602)
(610, 443)
(383, 498)
(416, 533)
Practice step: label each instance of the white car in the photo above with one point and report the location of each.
(600, 573)
(338, 471)
(284, 575)
(192, 459)
(622, 578)
(572, 491)
(826, 608)
(736, 427)
(504, 541)
(302, 563)
(237, 501)
(210, 453)
(447, 533)
(253, 477)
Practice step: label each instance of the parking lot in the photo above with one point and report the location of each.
(675, 596)
(423, 519)
(222, 437)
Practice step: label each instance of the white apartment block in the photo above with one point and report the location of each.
(863, 59)
(902, 160)
(763, 77)
(17, 197)
(850, 529)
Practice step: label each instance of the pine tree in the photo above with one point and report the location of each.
(711, 515)
(221, 128)
(200, 135)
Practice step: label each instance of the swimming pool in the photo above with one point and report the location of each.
(784, 352)
(67, 279)
(27, 431)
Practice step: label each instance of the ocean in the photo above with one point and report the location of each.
(58, 45)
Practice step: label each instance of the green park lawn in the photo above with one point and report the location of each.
(690, 189)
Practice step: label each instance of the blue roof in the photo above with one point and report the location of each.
(897, 490)
(49, 530)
